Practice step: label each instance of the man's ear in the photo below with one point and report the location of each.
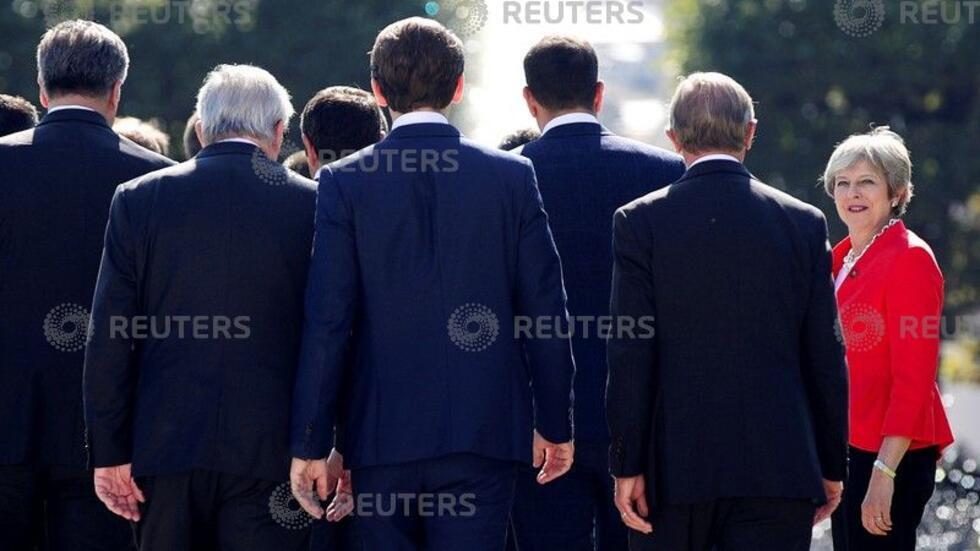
(115, 96)
(378, 94)
(750, 133)
(600, 91)
(458, 94)
(672, 136)
(199, 130)
(532, 104)
(312, 157)
(42, 95)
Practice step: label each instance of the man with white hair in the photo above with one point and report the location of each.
(56, 182)
(196, 325)
(729, 427)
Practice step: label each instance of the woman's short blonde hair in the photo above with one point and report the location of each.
(885, 151)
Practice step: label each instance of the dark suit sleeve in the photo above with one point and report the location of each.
(110, 372)
(331, 305)
(823, 367)
(630, 390)
(541, 292)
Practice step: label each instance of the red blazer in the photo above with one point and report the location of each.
(889, 308)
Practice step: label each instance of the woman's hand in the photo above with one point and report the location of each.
(876, 515)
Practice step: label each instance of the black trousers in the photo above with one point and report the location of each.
(458, 502)
(915, 481)
(574, 513)
(210, 511)
(732, 524)
(55, 509)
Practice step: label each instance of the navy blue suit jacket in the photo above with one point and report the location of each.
(585, 173)
(742, 391)
(210, 259)
(56, 182)
(422, 270)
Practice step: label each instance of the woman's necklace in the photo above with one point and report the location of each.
(852, 257)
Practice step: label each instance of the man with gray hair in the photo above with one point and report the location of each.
(197, 317)
(56, 182)
(729, 427)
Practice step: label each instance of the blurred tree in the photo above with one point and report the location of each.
(815, 84)
(174, 43)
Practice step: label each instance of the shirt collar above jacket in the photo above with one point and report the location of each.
(569, 118)
(419, 117)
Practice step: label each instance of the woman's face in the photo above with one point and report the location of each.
(861, 195)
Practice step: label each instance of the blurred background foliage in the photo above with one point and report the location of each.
(814, 85)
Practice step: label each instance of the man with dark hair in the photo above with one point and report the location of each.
(57, 183)
(16, 114)
(429, 250)
(338, 121)
(517, 138)
(585, 172)
(192, 144)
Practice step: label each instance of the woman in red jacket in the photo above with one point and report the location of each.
(890, 296)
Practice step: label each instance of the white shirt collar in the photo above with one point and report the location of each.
(240, 140)
(569, 118)
(419, 117)
(60, 107)
(714, 157)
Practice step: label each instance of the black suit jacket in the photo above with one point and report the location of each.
(585, 173)
(56, 182)
(207, 261)
(742, 391)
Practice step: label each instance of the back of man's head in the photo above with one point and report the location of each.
(518, 138)
(146, 134)
(242, 101)
(417, 63)
(562, 73)
(340, 120)
(82, 58)
(16, 114)
(710, 112)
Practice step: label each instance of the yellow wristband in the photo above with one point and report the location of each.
(880, 465)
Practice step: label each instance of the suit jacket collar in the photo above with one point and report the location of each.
(75, 115)
(423, 130)
(712, 167)
(227, 148)
(576, 129)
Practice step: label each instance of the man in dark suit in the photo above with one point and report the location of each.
(338, 121)
(56, 182)
(197, 319)
(427, 247)
(585, 173)
(729, 422)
